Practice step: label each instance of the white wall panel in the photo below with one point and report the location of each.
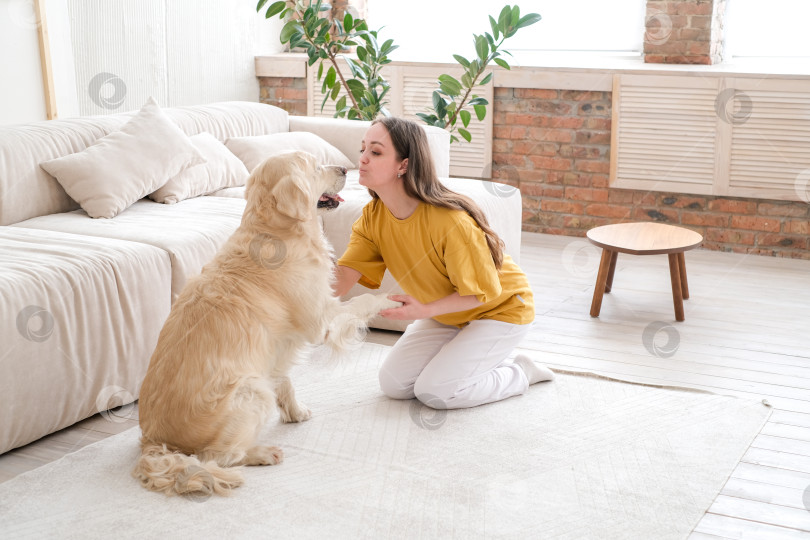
(120, 54)
(22, 98)
(213, 44)
(181, 52)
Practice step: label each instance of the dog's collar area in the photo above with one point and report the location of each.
(329, 201)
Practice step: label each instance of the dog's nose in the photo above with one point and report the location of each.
(343, 170)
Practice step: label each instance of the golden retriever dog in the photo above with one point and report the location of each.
(222, 359)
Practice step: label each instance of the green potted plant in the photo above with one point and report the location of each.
(364, 93)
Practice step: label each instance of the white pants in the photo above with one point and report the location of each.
(446, 367)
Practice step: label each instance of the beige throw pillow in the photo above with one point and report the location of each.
(221, 170)
(126, 165)
(254, 150)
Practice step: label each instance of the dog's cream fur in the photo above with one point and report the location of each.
(222, 359)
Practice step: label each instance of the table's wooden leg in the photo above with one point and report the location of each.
(682, 271)
(677, 293)
(609, 285)
(601, 281)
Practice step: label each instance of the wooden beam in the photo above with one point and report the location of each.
(45, 59)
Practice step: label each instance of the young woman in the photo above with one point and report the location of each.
(471, 303)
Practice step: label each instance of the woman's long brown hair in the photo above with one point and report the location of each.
(421, 181)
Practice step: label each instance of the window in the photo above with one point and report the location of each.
(434, 30)
(766, 29)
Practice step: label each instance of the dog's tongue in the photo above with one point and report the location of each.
(338, 198)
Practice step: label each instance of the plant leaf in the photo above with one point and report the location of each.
(320, 71)
(528, 20)
(482, 47)
(494, 25)
(450, 84)
(439, 105)
(331, 76)
(464, 133)
(289, 29)
(465, 117)
(486, 79)
(261, 4)
(356, 88)
(461, 60)
(275, 9)
(335, 91)
(501, 63)
(515, 16)
(340, 105)
(480, 112)
(503, 21)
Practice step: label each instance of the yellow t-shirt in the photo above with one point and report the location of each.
(434, 253)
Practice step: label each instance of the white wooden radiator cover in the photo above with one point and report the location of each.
(742, 137)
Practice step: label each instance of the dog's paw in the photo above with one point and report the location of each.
(366, 306)
(264, 455)
(386, 303)
(300, 413)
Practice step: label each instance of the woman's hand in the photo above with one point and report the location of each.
(411, 309)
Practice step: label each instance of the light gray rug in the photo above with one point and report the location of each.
(581, 457)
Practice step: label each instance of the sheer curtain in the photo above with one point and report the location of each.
(777, 28)
(434, 30)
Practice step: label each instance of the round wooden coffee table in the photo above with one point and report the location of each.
(643, 239)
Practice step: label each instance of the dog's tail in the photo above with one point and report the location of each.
(174, 473)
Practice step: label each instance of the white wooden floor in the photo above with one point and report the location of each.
(745, 333)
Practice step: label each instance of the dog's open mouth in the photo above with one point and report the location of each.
(329, 202)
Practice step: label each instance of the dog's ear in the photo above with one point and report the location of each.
(293, 197)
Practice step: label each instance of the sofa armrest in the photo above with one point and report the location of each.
(347, 136)
(439, 141)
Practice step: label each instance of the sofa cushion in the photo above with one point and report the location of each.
(125, 165)
(254, 150)
(191, 231)
(26, 190)
(23, 147)
(230, 119)
(221, 170)
(79, 319)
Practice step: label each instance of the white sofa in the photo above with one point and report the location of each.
(82, 300)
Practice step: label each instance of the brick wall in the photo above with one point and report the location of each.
(684, 31)
(555, 146)
(288, 93)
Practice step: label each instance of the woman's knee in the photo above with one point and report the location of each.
(394, 387)
(431, 395)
